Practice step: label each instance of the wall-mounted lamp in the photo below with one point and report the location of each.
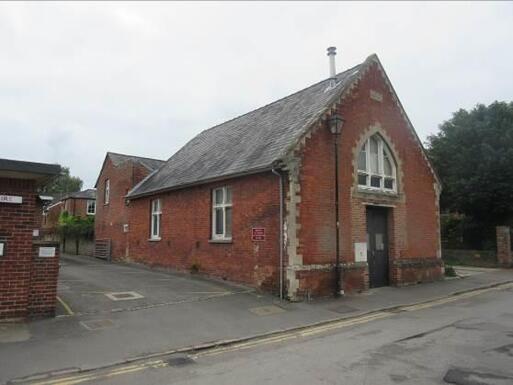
(335, 123)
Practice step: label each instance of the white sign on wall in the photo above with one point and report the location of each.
(10, 199)
(2, 249)
(360, 252)
(35, 233)
(46, 252)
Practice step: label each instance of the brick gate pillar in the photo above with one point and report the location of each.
(504, 246)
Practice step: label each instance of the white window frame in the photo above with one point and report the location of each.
(382, 150)
(223, 205)
(156, 213)
(89, 203)
(106, 192)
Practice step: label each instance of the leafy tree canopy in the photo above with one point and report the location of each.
(473, 155)
(63, 184)
(75, 226)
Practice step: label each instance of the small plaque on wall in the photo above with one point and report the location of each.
(2, 248)
(360, 252)
(46, 252)
(258, 234)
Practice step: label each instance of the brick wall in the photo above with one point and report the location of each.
(413, 213)
(27, 283)
(504, 246)
(51, 217)
(76, 206)
(43, 281)
(186, 232)
(111, 217)
(16, 225)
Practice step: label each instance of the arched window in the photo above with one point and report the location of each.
(376, 166)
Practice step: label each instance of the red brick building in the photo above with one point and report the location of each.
(28, 267)
(80, 204)
(118, 175)
(325, 190)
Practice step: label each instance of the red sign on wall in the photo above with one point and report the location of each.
(258, 234)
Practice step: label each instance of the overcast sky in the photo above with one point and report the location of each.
(80, 79)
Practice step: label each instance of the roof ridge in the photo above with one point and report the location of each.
(283, 119)
(276, 101)
(134, 156)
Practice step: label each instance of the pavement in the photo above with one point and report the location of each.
(114, 313)
(465, 341)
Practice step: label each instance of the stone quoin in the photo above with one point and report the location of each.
(198, 211)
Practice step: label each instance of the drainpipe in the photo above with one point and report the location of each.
(281, 230)
(335, 123)
(338, 285)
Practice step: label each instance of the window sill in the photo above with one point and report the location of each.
(228, 241)
(154, 239)
(377, 191)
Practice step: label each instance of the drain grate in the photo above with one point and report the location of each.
(177, 361)
(124, 295)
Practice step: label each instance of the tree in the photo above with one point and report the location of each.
(63, 184)
(75, 227)
(473, 155)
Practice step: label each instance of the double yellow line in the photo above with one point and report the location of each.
(77, 379)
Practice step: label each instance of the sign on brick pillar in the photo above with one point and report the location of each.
(504, 246)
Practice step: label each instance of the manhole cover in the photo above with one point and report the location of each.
(180, 361)
(266, 310)
(97, 324)
(124, 295)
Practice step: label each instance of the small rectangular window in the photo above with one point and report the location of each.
(156, 213)
(222, 213)
(106, 192)
(389, 183)
(91, 207)
(375, 181)
(362, 179)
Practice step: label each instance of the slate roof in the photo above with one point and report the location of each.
(249, 143)
(150, 163)
(85, 194)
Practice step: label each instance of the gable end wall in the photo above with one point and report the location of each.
(413, 215)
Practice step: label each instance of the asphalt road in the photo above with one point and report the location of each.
(466, 341)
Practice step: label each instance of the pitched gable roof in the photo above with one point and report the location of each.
(150, 164)
(90, 193)
(249, 143)
(258, 140)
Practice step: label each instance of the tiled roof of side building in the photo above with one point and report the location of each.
(150, 163)
(249, 143)
(84, 194)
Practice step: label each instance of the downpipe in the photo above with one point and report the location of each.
(280, 175)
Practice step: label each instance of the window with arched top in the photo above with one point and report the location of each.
(376, 166)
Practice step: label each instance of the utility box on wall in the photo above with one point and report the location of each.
(360, 252)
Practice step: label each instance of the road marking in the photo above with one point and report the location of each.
(285, 336)
(65, 306)
(77, 379)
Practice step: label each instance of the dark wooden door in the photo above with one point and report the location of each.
(377, 245)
